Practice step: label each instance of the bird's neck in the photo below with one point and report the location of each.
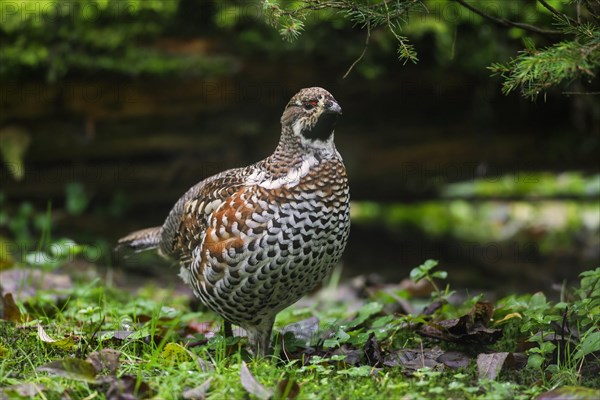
(293, 145)
(296, 153)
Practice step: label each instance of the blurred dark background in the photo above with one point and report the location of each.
(110, 110)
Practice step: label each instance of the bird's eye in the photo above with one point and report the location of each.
(309, 105)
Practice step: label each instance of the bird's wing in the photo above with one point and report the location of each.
(232, 231)
(187, 222)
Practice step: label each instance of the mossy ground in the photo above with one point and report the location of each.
(166, 349)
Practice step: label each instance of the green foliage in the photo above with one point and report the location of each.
(122, 37)
(496, 221)
(527, 184)
(566, 334)
(532, 72)
(587, 306)
(536, 70)
(586, 310)
(487, 227)
(289, 16)
(290, 24)
(424, 271)
(150, 332)
(111, 36)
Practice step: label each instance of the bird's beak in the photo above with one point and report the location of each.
(333, 108)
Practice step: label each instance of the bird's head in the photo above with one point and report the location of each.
(311, 115)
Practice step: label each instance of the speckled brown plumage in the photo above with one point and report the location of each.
(252, 241)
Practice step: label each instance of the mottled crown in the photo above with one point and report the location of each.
(311, 114)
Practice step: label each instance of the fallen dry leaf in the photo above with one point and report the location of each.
(459, 331)
(433, 307)
(490, 365)
(43, 336)
(352, 355)
(509, 317)
(127, 388)
(11, 310)
(372, 351)
(454, 359)
(414, 359)
(105, 361)
(199, 392)
(66, 343)
(73, 368)
(252, 386)
(470, 328)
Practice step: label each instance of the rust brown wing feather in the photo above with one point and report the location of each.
(188, 221)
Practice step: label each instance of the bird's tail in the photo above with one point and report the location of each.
(141, 240)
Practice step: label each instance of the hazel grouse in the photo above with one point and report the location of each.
(253, 240)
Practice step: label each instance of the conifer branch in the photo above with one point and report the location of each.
(573, 52)
(508, 23)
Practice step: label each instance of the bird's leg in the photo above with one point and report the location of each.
(227, 331)
(259, 337)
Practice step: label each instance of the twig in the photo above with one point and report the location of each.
(508, 23)
(555, 11)
(549, 8)
(361, 54)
